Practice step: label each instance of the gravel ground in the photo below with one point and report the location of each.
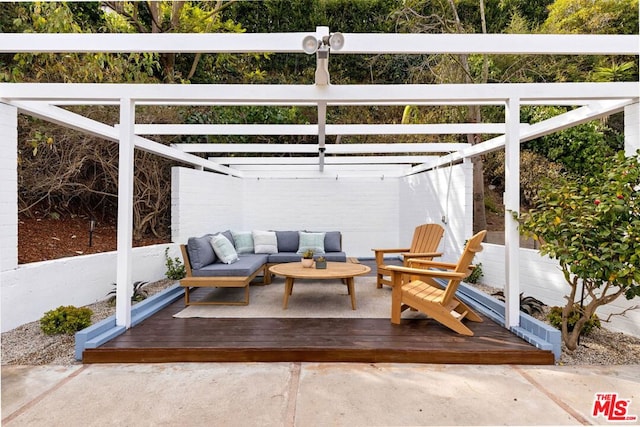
(27, 345)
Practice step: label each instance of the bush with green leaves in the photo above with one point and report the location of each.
(139, 293)
(555, 318)
(591, 225)
(475, 275)
(65, 320)
(175, 268)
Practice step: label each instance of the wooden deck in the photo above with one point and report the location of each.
(163, 338)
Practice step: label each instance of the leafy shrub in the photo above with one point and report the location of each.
(475, 275)
(175, 267)
(139, 293)
(555, 318)
(65, 320)
(529, 305)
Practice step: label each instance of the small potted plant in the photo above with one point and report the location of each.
(307, 258)
(321, 262)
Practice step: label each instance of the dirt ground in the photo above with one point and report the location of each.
(44, 239)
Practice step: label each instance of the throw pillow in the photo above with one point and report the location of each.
(265, 242)
(200, 251)
(224, 249)
(311, 241)
(243, 241)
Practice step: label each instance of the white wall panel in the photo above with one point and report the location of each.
(365, 210)
(434, 195)
(203, 202)
(9, 187)
(30, 290)
(541, 277)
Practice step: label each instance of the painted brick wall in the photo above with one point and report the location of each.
(9, 187)
(431, 196)
(32, 289)
(370, 212)
(203, 202)
(365, 210)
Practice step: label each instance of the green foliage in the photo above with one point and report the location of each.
(555, 318)
(580, 149)
(534, 168)
(65, 320)
(528, 304)
(175, 267)
(139, 293)
(308, 254)
(475, 275)
(592, 17)
(591, 225)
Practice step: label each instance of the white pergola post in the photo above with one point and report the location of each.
(631, 129)
(124, 286)
(322, 123)
(512, 206)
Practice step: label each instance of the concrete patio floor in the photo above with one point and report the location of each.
(311, 394)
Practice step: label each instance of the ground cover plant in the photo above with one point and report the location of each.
(591, 225)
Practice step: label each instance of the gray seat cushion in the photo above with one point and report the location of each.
(281, 257)
(246, 265)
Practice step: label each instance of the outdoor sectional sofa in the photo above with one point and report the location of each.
(251, 255)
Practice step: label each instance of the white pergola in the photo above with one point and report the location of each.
(322, 160)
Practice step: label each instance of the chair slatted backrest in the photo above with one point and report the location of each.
(426, 238)
(473, 246)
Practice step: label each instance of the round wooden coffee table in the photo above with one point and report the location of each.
(345, 271)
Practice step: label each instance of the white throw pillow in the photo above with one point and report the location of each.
(265, 242)
(224, 249)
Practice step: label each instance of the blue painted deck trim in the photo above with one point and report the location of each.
(105, 330)
(535, 332)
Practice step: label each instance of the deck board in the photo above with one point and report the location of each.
(163, 338)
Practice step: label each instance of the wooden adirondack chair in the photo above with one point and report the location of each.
(426, 239)
(421, 292)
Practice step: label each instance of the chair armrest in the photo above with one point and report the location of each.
(427, 263)
(427, 273)
(393, 250)
(421, 254)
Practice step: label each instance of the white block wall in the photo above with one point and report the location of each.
(33, 289)
(443, 196)
(364, 210)
(202, 202)
(369, 212)
(9, 187)
(540, 277)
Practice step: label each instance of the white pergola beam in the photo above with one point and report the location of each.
(328, 160)
(355, 43)
(436, 147)
(75, 121)
(554, 124)
(160, 94)
(313, 129)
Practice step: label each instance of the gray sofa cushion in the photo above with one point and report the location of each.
(246, 265)
(200, 251)
(281, 257)
(287, 241)
(332, 241)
